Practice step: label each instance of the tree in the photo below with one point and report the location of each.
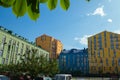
(20, 7)
(33, 64)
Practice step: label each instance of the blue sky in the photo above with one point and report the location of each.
(71, 27)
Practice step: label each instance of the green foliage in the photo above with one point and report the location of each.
(52, 4)
(19, 7)
(33, 64)
(6, 3)
(64, 4)
(43, 1)
(33, 9)
(88, 0)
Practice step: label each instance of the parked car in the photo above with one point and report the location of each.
(3, 77)
(43, 78)
(63, 77)
(47, 78)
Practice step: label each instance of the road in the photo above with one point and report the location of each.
(76, 78)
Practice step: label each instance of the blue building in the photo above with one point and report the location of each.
(74, 61)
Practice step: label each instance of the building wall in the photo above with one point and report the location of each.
(59, 47)
(12, 46)
(74, 60)
(50, 44)
(104, 52)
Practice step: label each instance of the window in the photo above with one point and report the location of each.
(101, 61)
(111, 41)
(100, 45)
(43, 38)
(78, 60)
(6, 61)
(68, 60)
(17, 46)
(112, 46)
(114, 53)
(2, 45)
(9, 45)
(105, 39)
(116, 36)
(4, 39)
(27, 48)
(110, 68)
(105, 43)
(7, 56)
(1, 53)
(107, 62)
(64, 60)
(119, 61)
(111, 36)
(21, 52)
(103, 52)
(104, 68)
(94, 42)
(109, 52)
(22, 45)
(98, 53)
(116, 69)
(105, 33)
(113, 62)
(99, 36)
(3, 60)
(117, 45)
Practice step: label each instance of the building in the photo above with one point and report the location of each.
(74, 60)
(13, 45)
(53, 46)
(104, 53)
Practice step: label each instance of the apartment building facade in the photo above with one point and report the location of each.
(74, 60)
(50, 44)
(13, 45)
(104, 53)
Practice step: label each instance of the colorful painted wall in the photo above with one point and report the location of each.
(104, 53)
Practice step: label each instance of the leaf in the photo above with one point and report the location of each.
(6, 3)
(19, 7)
(52, 4)
(33, 9)
(43, 1)
(65, 4)
(32, 15)
(88, 0)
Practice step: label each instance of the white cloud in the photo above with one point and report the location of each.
(83, 40)
(109, 20)
(98, 11)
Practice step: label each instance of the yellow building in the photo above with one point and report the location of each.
(53, 46)
(104, 53)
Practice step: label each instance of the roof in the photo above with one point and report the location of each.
(48, 36)
(73, 51)
(104, 31)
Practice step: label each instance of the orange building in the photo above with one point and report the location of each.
(53, 46)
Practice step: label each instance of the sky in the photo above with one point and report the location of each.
(72, 27)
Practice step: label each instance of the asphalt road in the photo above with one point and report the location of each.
(76, 78)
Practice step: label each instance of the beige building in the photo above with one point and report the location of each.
(13, 45)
